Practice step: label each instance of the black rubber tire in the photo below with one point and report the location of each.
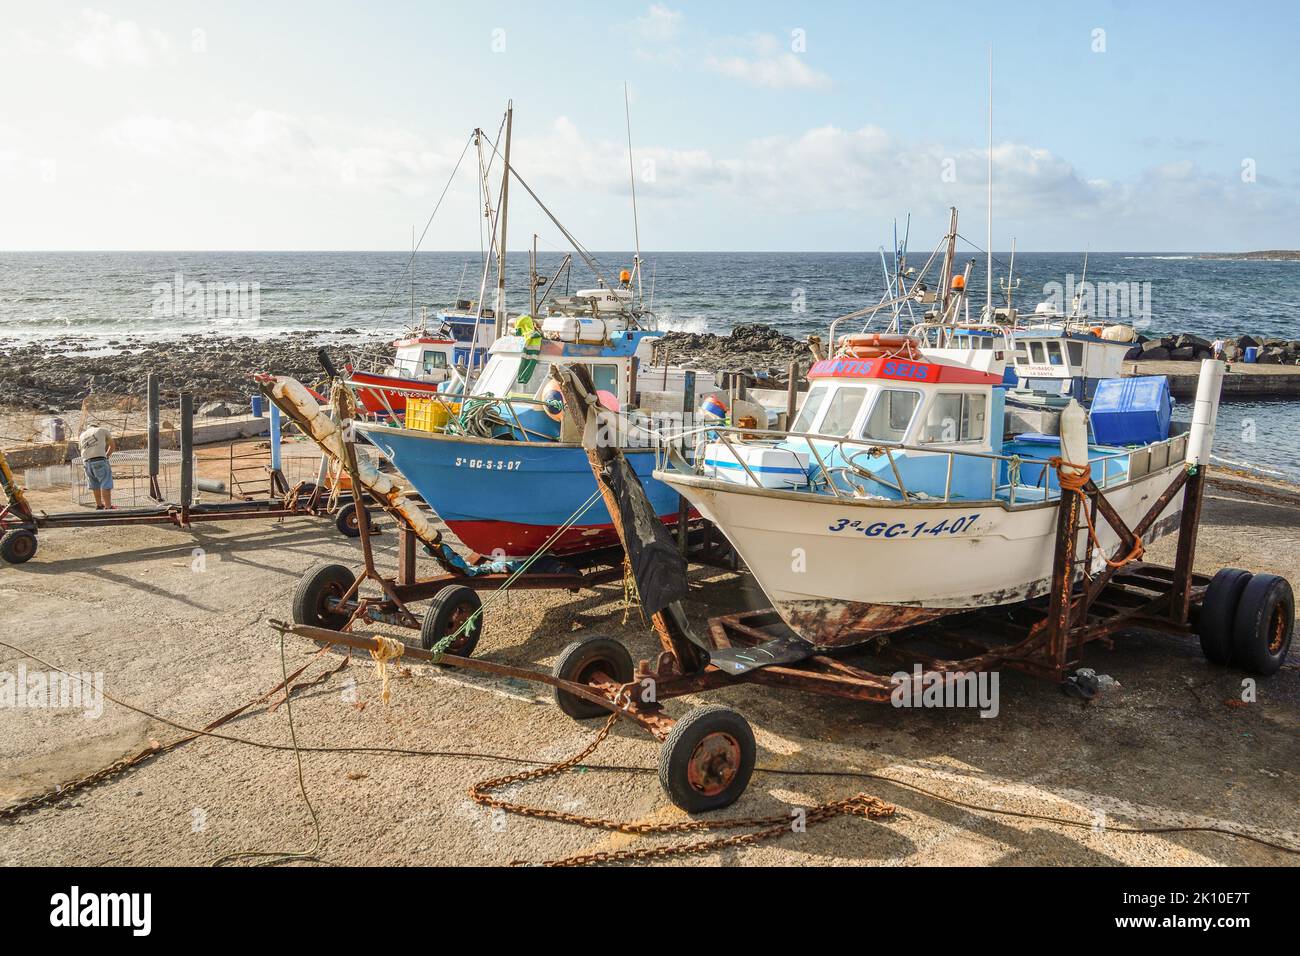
(446, 613)
(579, 662)
(1218, 614)
(18, 545)
(346, 521)
(1264, 625)
(704, 726)
(320, 582)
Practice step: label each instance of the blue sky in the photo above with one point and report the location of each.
(756, 125)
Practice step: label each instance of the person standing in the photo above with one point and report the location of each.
(96, 444)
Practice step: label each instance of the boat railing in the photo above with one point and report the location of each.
(1138, 462)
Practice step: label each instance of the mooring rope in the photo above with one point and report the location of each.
(1074, 479)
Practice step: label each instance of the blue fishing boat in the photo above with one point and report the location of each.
(504, 474)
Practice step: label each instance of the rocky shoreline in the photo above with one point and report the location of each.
(57, 375)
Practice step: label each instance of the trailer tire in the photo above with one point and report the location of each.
(581, 661)
(1218, 614)
(18, 546)
(707, 760)
(347, 522)
(321, 582)
(1264, 625)
(450, 608)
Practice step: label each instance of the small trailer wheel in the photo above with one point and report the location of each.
(348, 521)
(311, 598)
(583, 660)
(451, 608)
(1219, 612)
(1264, 625)
(707, 760)
(18, 545)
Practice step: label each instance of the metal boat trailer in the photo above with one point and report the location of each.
(708, 755)
(20, 523)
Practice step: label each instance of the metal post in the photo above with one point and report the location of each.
(792, 395)
(1180, 597)
(151, 392)
(683, 507)
(1058, 614)
(187, 455)
(405, 548)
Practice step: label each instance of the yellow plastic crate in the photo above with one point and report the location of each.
(428, 414)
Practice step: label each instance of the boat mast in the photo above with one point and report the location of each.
(631, 174)
(945, 280)
(501, 246)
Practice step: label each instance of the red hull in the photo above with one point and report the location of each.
(511, 539)
(370, 397)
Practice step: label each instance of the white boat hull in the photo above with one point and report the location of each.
(842, 571)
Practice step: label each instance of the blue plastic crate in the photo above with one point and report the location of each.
(1131, 411)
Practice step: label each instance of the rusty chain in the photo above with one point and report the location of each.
(761, 828)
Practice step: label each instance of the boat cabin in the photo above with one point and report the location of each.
(900, 429)
(1066, 362)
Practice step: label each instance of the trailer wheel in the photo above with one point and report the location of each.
(1264, 625)
(1219, 612)
(583, 660)
(706, 762)
(18, 545)
(318, 585)
(348, 521)
(451, 608)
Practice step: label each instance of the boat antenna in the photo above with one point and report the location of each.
(631, 175)
(412, 276)
(988, 248)
(505, 205)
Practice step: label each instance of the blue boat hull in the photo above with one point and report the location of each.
(507, 498)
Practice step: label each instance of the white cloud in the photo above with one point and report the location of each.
(659, 24)
(765, 65)
(100, 40)
(268, 147)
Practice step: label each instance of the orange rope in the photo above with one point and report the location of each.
(1074, 478)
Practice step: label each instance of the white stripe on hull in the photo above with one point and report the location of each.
(842, 570)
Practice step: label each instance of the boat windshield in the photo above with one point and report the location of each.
(842, 410)
(891, 415)
(499, 376)
(812, 404)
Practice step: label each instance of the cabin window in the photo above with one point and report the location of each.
(1054, 353)
(605, 378)
(812, 404)
(1036, 353)
(1076, 352)
(1022, 353)
(841, 411)
(891, 415)
(955, 417)
(434, 361)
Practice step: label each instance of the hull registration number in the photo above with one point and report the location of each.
(901, 529)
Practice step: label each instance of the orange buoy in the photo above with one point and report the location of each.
(959, 282)
(874, 344)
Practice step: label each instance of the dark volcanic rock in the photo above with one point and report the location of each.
(213, 368)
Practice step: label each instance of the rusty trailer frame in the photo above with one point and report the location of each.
(708, 755)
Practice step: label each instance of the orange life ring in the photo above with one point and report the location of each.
(874, 344)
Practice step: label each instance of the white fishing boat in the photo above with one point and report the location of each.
(898, 498)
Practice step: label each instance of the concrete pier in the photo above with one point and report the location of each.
(1241, 381)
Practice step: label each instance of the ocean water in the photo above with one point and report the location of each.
(101, 299)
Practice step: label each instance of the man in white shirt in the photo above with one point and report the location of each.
(96, 444)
